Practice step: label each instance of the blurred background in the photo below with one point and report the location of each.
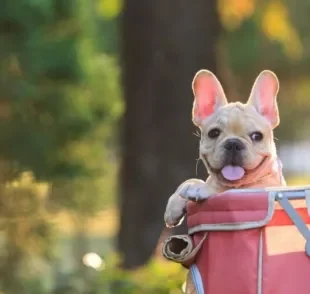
(96, 131)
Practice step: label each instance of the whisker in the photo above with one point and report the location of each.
(197, 134)
(197, 162)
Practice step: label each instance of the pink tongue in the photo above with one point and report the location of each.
(232, 173)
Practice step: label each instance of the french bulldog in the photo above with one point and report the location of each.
(237, 143)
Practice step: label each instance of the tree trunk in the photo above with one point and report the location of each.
(164, 44)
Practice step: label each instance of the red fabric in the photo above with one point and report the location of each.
(228, 208)
(288, 272)
(228, 260)
(280, 217)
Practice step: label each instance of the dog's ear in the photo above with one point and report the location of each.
(209, 96)
(264, 96)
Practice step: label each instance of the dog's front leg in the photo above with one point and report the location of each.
(192, 189)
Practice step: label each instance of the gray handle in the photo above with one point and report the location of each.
(291, 194)
(284, 197)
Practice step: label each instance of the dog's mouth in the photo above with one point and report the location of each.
(233, 173)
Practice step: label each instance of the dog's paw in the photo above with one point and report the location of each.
(174, 214)
(194, 192)
(173, 220)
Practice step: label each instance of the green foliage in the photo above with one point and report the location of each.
(158, 277)
(109, 28)
(109, 9)
(59, 101)
(243, 46)
(27, 232)
(51, 98)
(60, 96)
(86, 194)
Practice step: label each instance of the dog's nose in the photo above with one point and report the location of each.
(234, 145)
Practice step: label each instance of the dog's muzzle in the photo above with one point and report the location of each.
(234, 149)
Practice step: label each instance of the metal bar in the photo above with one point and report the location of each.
(308, 201)
(284, 198)
(294, 216)
(292, 195)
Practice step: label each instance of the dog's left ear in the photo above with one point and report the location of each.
(264, 97)
(209, 96)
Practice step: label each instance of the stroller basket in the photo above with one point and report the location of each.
(252, 241)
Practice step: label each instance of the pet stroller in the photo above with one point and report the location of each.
(246, 242)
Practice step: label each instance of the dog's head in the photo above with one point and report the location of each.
(236, 139)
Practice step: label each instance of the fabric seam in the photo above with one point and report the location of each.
(239, 225)
(260, 264)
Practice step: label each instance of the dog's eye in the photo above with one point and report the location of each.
(214, 133)
(256, 136)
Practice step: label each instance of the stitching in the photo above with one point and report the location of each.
(238, 225)
(260, 264)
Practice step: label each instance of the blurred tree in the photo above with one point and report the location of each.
(46, 101)
(56, 89)
(26, 230)
(270, 34)
(55, 112)
(164, 44)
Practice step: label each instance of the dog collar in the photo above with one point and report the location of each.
(272, 167)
